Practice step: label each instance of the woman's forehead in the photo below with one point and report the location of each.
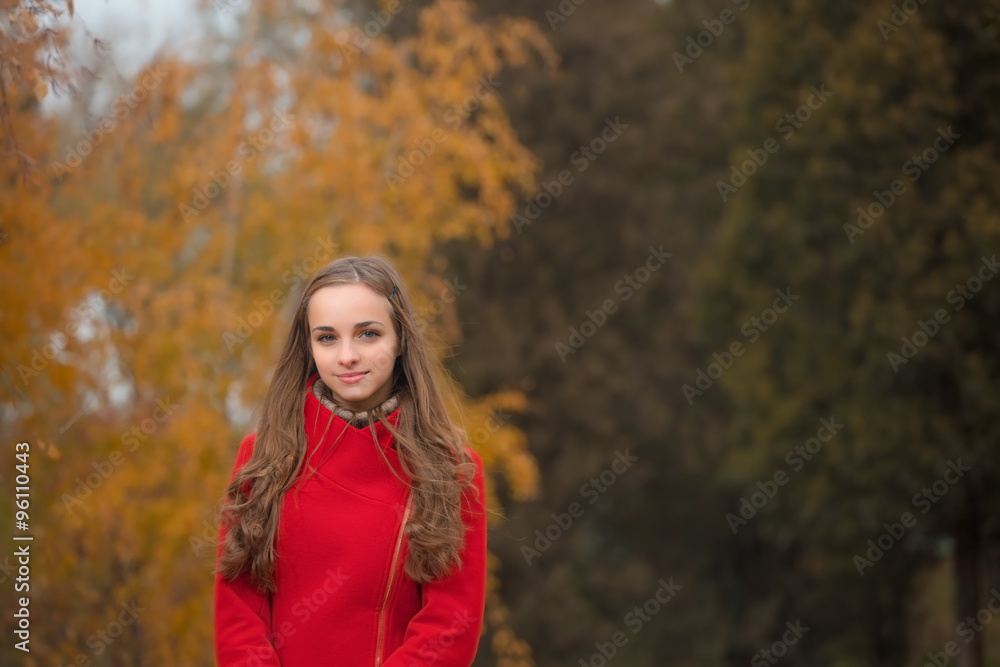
(347, 305)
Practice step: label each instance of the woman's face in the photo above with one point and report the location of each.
(353, 343)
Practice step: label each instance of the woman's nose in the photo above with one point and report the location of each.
(347, 354)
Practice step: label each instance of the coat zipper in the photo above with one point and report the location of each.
(392, 577)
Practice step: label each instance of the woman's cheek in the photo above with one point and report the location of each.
(383, 358)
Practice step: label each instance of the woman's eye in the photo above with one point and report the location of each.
(374, 334)
(324, 338)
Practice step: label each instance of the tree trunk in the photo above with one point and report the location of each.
(967, 581)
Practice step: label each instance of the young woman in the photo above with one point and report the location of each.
(354, 527)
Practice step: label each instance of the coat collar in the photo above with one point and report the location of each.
(319, 409)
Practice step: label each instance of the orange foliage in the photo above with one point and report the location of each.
(149, 254)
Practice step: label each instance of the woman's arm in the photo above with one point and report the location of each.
(445, 632)
(242, 613)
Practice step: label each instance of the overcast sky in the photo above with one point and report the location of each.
(137, 29)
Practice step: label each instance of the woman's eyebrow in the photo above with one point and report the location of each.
(359, 325)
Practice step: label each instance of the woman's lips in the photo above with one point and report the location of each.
(351, 378)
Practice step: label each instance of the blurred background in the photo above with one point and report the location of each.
(714, 279)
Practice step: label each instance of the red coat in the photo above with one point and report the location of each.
(342, 598)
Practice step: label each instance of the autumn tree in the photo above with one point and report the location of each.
(617, 390)
(862, 179)
(181, 220)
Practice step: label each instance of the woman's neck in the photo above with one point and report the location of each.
(356, 418)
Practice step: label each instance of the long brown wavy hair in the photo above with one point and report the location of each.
(429, 443)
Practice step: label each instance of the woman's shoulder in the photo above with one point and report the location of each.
(245, 449)
(474, 455)
(471, 464)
